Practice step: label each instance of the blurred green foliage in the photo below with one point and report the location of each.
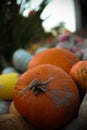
(17, 31)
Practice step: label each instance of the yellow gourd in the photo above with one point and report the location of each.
(7, 85)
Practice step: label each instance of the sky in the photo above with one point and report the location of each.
(57, 11)
(60, 10)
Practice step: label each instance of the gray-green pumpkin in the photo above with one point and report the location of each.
(21, 59)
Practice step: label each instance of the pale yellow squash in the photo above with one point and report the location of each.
(7, 85)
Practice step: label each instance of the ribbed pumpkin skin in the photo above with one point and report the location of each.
(53, 108)
(60, 57)
(79, 73)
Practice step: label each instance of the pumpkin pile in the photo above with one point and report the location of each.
(56, 56)
(44, 95)
(43, 91)
(74, 43)
(79, 73)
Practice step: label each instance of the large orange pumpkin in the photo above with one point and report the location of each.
(47, 96)
(79, 74)
(60, 57)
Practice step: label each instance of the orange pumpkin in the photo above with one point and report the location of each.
(60, 57)
(12, 109)
(79, 74)
(47, 96)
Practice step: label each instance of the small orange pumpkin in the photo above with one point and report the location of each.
(47, 96)
(12, 109)
(60, 57)
(79, 74)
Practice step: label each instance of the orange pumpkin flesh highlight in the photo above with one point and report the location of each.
(60, 57)
(79, 74)
(50, 103)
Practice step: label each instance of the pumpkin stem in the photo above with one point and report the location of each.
(37, 86)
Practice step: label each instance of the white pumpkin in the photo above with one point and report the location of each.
(66, 44)
(40, 49)
(72, 125)
(84, 54)
(21, 59)
(4, 107)
(8, 70)
(82, 114)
